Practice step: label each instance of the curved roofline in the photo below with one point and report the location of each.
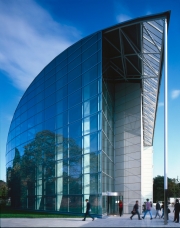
(165, 14)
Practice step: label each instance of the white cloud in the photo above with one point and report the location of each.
(122, 17)
(160, 104)
(175, 94)
(30, 39)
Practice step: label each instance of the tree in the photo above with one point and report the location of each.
(3, 190)
(158, 188)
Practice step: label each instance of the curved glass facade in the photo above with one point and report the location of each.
(84, 127)
(54, 147)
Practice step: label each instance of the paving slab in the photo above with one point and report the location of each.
(110, 221)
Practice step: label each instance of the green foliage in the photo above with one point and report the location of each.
(158, 188)
(3, 190)
(10, 213)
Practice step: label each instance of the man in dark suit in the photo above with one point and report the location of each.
(88, 209)
(177, 210)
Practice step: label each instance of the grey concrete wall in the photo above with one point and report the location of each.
(147, 173)
(128, 143)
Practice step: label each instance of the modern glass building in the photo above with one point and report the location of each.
(84, 127)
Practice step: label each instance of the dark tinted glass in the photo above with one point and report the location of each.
(61, 73)
(40, 106)
(61, 93)
(74, 85)
(75, 130)
(74, 63)
(75, 113)
(61, 82)
(50, 90)
(75, 98)
(50, 124)
(61, 119)
(90, 90)
(90, 106)
(50, 112)
(74, 73)
(86, 65)
(50, 100)
(90, 51)
(74, 55)
(61, 57)
(50, 80)
(62, 105)
(90, 75)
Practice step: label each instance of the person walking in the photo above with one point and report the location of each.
(162, 207)
(148, 209)
(136, 210)
(88, 209)
(177, 210)
(158, 208)
(120, 207)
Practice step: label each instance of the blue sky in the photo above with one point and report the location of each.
(32, 33)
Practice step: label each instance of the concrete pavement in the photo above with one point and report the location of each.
(111, 221)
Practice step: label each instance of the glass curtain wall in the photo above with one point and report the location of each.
(54, 142)
(107, 140)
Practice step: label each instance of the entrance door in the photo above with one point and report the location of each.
(113, 205)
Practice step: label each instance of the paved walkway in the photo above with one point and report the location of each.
(111, 221)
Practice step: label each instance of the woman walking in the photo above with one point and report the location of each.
(120, 207)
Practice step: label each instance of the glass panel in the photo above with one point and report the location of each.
(61, 73)
(40, 106)
(91, 124)
(89, 63)
(89, 42)
(50, 74)
(75, 113)
(90, 90)
(50, 100)
(75, 203)
(31, 123)
(74, 63)
(61, 82)
(62, 105)
(74, 48)
(61, 120)
(74, 73)
(74, 85)
(50, 81)
(90, 75)
(60, 94)
(75, 130)
(50, 124)
(90, 107)
(75, 147)
(26, 114)
(61, 57)
(75, 98)
(40, 97)
(50, 90)
(50, 112)
(50, 66)
(73, 55)
(30, 104)
(89, 52)
(93, 142)
(40, 88)
(31, 112)
(39, 117)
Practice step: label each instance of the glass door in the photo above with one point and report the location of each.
(113, 205)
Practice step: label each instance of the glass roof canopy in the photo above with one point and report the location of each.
(134, 52)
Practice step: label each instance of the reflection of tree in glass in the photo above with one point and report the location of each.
(36, 168)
